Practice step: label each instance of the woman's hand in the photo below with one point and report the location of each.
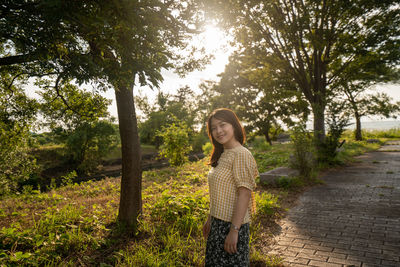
(206, 228)
(231, 240)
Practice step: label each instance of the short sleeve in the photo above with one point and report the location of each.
(245, 170)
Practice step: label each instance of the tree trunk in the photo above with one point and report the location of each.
(358, 128)
(319, 124)
(268, 138)
(130, 205)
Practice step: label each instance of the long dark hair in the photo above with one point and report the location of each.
(226, 115)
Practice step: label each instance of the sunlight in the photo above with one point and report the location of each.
(213, 39)
(216, 42)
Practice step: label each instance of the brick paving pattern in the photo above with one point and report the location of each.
(351, 220)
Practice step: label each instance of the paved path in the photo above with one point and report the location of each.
(351, 220)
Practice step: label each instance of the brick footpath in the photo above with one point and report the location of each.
(351, 220)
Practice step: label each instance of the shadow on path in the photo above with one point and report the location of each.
(351, 220)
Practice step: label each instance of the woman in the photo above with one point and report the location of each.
(231, 185)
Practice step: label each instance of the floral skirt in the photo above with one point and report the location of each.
(215, 253)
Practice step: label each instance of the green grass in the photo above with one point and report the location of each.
(383, 135)
(75, 224)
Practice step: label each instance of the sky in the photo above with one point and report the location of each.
(214, 41)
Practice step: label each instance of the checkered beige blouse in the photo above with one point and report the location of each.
(236, 168)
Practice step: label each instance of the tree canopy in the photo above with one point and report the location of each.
(314, 43)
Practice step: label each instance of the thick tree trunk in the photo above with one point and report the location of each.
(358, 135)
(131, 182)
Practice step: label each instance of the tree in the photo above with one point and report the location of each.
(368, 105)
(314, 42)
(69, 106)
(167, 109)
(175, 145)
(116, 44)
(17, 115)
(261, 99)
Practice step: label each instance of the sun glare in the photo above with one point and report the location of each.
(213, 39)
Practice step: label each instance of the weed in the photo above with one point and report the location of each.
(289, 182)
(266, 203)
(386, 187)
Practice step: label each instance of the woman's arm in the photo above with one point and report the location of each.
(207, 227)
(242, 204)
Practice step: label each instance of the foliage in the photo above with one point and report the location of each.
(272, 157)
(186, 212)
(314, 45)
(175, 143)
(163, 112)
(73, 114)
(69, 106)
(207, 148)
(198, 141)
(258, 143)
(16, 164)
(107, 43)
(303, 158)
(391, 133)
(89, 143)
(328, 150)
(359, 104)
(266, 203)
(289, 182)
(260, 99)
(17, 114)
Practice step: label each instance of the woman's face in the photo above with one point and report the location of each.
(223, 132)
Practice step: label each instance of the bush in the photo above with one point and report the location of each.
(328, 150)
(260, 144)
(16, 165)
(175, 143)
(186, 212)
(198, 141)
(303, 158)
(207, 149)
(89, 143)
(288, 182)
(266, 203)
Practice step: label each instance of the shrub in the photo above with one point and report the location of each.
(266, 203)
(328, 150)
(303, 157)
(199, 140)
(186, 212)
(207, 149)
(16, 165)
(288, 182)
(175, 143)
(89, 143)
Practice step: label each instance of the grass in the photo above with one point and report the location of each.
(75, 225)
